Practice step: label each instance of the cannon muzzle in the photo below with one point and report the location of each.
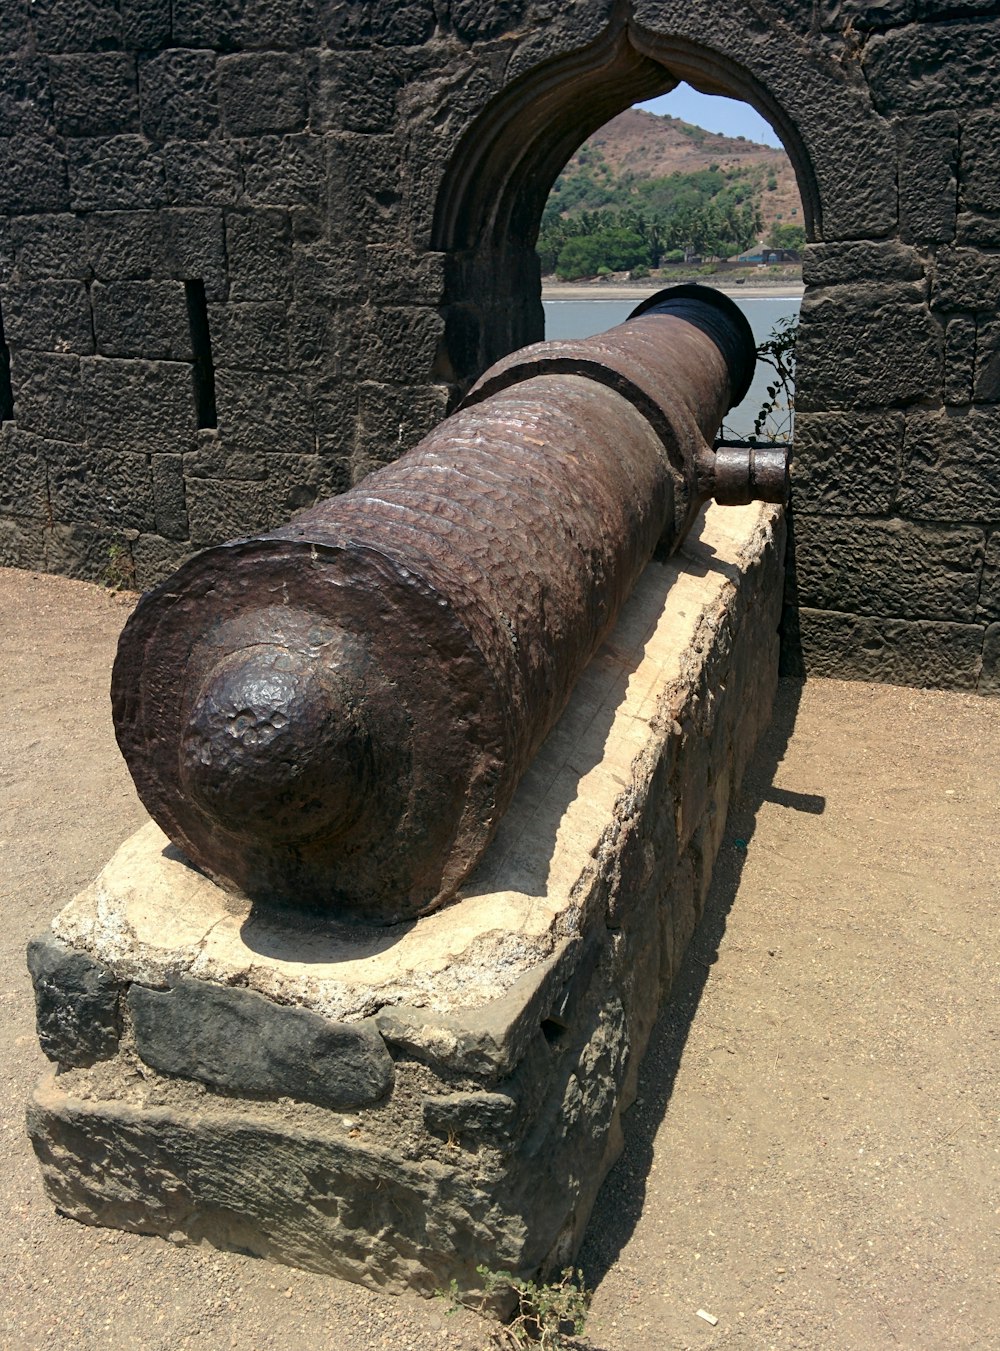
(336, 713)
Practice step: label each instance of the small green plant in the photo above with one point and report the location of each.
(119, 575)
(544, 1316)
(776, 415)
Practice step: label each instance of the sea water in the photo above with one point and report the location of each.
(584, 318)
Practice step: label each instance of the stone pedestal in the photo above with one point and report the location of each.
(397, 1106)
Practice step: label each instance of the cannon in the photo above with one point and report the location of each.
(336, 713)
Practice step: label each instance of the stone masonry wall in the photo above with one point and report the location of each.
(250, 249)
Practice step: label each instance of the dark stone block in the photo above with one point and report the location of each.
(239, 1041)
(143, 406)
(357, 91)
(866, 347)
(401, 344)
(959, 360)
(262, 92)
(202, 173)
(965, 279)
(211, 458)
(295, 482)
(177, 91)
(365, 175)
(393, 420)
(94, 94)
(845, 264)
(284, 171)
(896, 651)
(22, 542)
(263, 413)
(32, 175)
(225, 509)
(259, 249)
(142, 319)
(981, 232)
(76, 1003)
(23, 482)
(396, 277)
(15, 25)
(101, 487)
(250, 23)
(25, 104)
(250, 337)
(456, 1114)
(846, 462)
(76, 25)
(314, 336)
(989, 595)
(91, 553)
(888, 568)
(987, 381)
(124, 245)
(402, 25)
(950, 466)
(477, 20)
(980, 180)
(51, 316)
(170, 508)
(48, 397)
(914, 70)
(928, 176)
(336, 409)
(328, 275)
(155, 559)
(194, 248)
(989, 679)
(145, 24)
(120, 173)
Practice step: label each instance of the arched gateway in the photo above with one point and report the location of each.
(248, 250)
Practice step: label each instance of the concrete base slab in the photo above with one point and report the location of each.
(397, 1106)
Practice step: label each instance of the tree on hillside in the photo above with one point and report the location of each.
(615, 249)
(786, 238)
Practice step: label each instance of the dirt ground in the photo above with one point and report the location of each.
(813, 1157)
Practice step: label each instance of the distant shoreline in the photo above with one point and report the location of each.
(638, 290)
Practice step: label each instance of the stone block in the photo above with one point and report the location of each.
(241, 1042)
(76, 1003)
(48, 396)
(94, 94)
(356, 91)
(25, 98)
(100, 488)
(284, 171)
(32, 175)
(249, 24)
(472, 1114)
(920, 68)
(225, 509)
(139, 406)
(50, 316)
(177, 95)
(120, 173)
(965, 279)
(142, 319)
(76, 25)
(923, 653)
(846, 463)
(959, 360)
(986, 387)
(295, 482)
(981, 232)
(145, 24)
(202, 173)
(980, 180)
(315, 337)
(211, 458)
(15, 25)
(950, 466)
(479, 20)
(91, 553)
(124, 245)
(329, 275)
(266, 413)
(22, 542)
(155, 559)
(249, 336)
(194, 248)
(169, 506)
(48, 246)
(365, 176)
(393, 420)
(928, 177)
(401, 344)
(845, 264)
(24, 488)
(866, 347)
(989, 678)
(262, 92)
(888, 568)
(259, 249)
(989, 595)
(398, 277)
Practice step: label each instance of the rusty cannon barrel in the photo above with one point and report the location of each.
(336, 714)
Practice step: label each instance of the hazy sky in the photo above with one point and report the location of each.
(728, 116)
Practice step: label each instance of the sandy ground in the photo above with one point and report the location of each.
(638, 290)
(813, 1157)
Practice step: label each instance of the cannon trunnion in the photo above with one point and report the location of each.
(337, 713)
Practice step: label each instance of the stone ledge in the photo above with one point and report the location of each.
(485, 1053)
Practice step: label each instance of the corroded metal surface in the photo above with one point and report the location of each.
(337, 713)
